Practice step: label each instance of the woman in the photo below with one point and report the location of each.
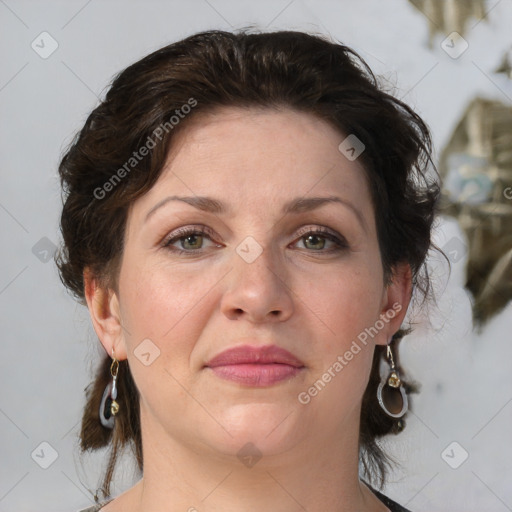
(246, 217)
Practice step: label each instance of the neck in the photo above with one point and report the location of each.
(317, 476)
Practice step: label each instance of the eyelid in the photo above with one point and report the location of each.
(182, 232)
(186, 231)
(325, 232)
(304, 230)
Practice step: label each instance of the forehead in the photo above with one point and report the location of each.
(255, 157)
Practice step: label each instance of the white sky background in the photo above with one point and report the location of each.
(48, 345)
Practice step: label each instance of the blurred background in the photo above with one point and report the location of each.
(449, 60)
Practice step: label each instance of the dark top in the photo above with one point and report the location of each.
(392, 505)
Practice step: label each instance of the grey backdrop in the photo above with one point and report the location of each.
(48, 345)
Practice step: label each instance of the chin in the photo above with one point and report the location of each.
(269, 427)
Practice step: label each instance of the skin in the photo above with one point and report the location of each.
(300, 293)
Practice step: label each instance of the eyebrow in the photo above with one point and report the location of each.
(295, 206)
(206, 204)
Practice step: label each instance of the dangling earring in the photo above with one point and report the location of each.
(109, 407)
(390, 393)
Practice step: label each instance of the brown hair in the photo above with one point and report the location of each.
(207, 70)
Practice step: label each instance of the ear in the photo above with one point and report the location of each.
(104, 309)
(395, 301)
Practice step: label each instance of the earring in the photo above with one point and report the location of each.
(390, 393)
(109, 407)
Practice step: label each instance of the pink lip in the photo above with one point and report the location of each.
(255, 366)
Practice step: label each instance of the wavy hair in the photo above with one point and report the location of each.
(296, 70)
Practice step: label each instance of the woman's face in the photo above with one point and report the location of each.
(273, 243)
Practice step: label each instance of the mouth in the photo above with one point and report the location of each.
(256, 366)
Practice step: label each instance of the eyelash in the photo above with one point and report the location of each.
(182, 233)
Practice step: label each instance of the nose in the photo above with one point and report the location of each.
(257, 291)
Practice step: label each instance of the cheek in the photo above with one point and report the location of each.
(158, 302)
(160, 307)
(348, 305)
(348, 300)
